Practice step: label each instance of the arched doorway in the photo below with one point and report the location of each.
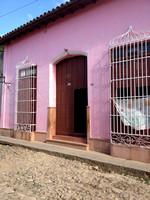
(71, 96)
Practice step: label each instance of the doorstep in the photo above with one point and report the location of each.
(70, 144)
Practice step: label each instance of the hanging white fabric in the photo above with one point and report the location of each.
(134, 113)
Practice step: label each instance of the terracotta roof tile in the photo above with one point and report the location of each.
(47, 17)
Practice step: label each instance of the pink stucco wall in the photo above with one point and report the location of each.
(89, 30)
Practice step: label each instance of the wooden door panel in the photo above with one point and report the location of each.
(71, 74)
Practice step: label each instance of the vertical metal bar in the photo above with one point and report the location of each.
(34, 106)
(16, 96)
(33, 80)
(113, 92)
(138, 69)
(31, 98)
(147, 98)
(142, 99)
(134, 77)
(119, 79)
(111, 117)
(34, 98)
(127, 58)
(123, 66)
(131, 46)
(27, 115)
(116, 84)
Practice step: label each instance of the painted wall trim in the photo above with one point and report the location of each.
(52, 71)
(67, 54)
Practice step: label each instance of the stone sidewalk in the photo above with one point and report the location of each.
(105, 161)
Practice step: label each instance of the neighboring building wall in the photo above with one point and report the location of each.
(89, 30)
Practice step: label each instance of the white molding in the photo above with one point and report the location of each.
(66, 54)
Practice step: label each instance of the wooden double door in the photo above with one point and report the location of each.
(71, 96)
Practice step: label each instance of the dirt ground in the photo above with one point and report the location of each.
(33, 175)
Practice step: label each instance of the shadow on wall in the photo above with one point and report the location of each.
(100, 97)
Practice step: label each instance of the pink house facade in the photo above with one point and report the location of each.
(79, 32)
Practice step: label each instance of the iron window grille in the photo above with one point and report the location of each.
(26, 86)
(130, 89)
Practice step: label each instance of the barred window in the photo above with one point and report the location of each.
(130, 89)
(26, 100)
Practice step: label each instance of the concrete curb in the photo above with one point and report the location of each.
(106, 162)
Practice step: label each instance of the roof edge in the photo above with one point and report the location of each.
(48, 17)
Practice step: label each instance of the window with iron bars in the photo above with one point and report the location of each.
(130, 92)
(26, 99)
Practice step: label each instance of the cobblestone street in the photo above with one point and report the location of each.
(32, 175)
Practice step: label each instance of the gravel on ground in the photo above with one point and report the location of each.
(33, 175)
